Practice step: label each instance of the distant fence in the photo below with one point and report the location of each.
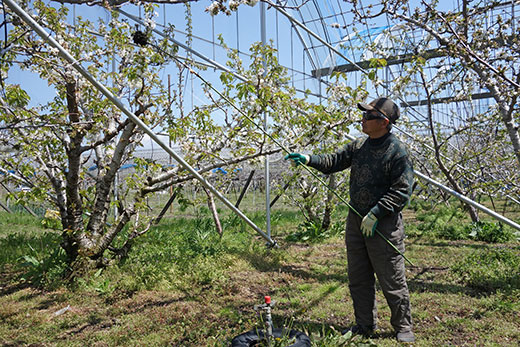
(243, 184)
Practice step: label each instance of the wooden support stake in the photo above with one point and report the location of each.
(244, 190)
(284, 188)
(165, 208)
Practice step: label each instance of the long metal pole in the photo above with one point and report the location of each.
(76, 65)
(266, 158)
(297, 23)
(292, 19)
(285, 149)
(317, 37)
(323, 41)
(469, 201)
(11, 4)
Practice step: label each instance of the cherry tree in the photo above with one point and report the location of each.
(79, 126)
(483, 43)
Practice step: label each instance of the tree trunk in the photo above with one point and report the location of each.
(213, 209)
(325, 223)
(472, 211)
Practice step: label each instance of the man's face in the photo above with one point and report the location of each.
(372, 123)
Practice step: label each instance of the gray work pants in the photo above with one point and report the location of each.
(367, 256)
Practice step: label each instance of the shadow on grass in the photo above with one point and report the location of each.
(320, 277)
(415, 284)
(307, 326)
(54, 299)
(94, 324)
(15, 246)
(265, 264)
(477, 245)
(139, 307)
(10, 281)
(419, 286)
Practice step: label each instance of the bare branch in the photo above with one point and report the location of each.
(154, 186)
(470, 52)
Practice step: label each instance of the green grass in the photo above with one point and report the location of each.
(21, 234)
(449, 222)
(185, 285)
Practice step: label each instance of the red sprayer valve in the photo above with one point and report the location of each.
(266, 308)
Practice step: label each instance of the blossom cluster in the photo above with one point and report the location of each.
(219, 6)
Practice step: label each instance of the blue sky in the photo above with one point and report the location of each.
(238, 30)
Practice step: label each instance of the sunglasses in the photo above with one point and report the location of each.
(370, 115)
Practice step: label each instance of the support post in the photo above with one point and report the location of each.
(469, 201)
(284, 188)
(266, 158)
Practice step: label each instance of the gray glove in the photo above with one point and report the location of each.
(368, 225)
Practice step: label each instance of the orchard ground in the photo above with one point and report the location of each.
(183, 285)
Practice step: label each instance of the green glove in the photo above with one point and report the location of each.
(297, 158)
(368, 225)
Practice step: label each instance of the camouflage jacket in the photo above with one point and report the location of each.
(381, 174)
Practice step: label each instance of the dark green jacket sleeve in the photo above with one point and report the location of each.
(330, 163)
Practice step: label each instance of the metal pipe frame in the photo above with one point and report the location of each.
(469, 201)
(179, 159)
(437, 184)
(263, 37)
(186, 48)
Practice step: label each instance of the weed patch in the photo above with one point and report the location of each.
(331, 338)
(490, 232)
(450, 222)
(44, 269)
(36, 255)
(490, 269)
(311, 231)
(439, 221)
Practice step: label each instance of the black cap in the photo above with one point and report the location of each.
(383, 105)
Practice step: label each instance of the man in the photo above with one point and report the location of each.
(380, 186)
